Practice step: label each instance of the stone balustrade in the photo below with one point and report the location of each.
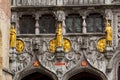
(55, 2)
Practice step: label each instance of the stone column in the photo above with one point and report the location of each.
(61, 17)
(14, 2)
(84, 30)
(17, 26)
(18, 2)
(59, 2)
(107, 1)
(37, 24)
(15, 20)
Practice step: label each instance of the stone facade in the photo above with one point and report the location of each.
(84, 45)
(4, 40)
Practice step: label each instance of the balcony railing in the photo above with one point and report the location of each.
(54, 2)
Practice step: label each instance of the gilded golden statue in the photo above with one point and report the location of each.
(108, 32)
(59, 41)
(12, 37)
(59, 35)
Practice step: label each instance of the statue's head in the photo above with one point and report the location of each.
(12, 27)
(108, 24)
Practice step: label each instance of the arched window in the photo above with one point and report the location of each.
(47, 24)
(27, 24)
(74, 23)
(95, 23)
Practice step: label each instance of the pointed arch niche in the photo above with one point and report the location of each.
(85, 74)
(36, 74)
(115, 65)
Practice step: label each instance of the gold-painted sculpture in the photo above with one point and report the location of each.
(52, 46)
(59, 41)
(67, 45)
(19, 45)
(101, 45)
(12, 37)
(108, 32)
(59, 35)
(107, 41)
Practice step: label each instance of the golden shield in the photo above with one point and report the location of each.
(19, 45)
(67, 45)
(52, 46)
(101, 45)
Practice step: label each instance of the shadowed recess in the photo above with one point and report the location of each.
(37, 76)
(85, 76)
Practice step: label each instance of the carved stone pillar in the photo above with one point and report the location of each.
(37, 24)
(84, 30)
(17, 26)
(14, 2)
(18, 2)
(107, 1)
(15, 20)
(61, 17)
(59, 2)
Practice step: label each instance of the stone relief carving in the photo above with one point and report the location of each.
(19, 61)
(95, 58)
(56, 2)
(49, 60)
(118, 31)
(58, 62)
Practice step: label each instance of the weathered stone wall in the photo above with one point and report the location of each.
(4, 38)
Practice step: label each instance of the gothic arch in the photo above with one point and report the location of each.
(36, 70)
(114, 64)
(101, 12)
(89, 70)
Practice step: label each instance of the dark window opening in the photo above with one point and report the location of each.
(47, 24)
(73, 23)
(27, 24)
(95, 23)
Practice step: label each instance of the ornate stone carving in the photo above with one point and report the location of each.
(49, 60)
(97, 60)
(19, 62)
(59, 62)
